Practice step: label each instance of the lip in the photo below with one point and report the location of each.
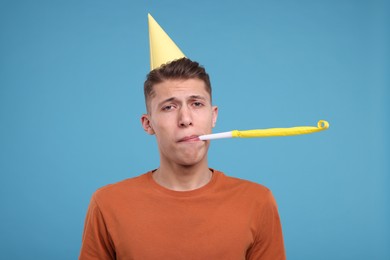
(191, 138)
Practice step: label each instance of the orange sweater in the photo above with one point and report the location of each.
(226, 219)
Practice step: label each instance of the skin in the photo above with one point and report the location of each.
(179, 112)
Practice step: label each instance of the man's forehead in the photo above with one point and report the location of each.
(186, 87)
(191, 82)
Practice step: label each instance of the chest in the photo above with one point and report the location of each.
(158, 228)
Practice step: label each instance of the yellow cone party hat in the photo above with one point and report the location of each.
(162, 48)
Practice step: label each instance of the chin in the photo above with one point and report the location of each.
(188, 156)
(188, 161)
(191, 160)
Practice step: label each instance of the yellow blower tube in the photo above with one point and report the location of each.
(298, 130)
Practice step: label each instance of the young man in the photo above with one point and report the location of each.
(183, 209)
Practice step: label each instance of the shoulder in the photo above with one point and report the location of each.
(253, 198)
(119, 189)
(244, 189)
(238, 183)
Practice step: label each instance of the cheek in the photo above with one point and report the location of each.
(208, 123)
(212, 120)
(162, 129)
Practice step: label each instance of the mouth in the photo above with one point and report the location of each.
(192, 138)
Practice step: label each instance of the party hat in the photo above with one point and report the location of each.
(162, 48)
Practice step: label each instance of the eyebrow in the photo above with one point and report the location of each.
(174, 98)
(197, 97)
(166, 100)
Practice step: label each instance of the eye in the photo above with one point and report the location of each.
(168, 108)
(197, 104)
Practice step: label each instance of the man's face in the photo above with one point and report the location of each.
(179, 112)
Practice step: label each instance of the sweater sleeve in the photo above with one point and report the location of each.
(96, 241)
(268, 244)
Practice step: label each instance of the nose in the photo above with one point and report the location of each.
(185, 117)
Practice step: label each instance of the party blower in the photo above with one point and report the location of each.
(270, 132)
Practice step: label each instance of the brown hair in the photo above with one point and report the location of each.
(183, 68)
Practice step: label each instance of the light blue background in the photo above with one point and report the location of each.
(71, 75)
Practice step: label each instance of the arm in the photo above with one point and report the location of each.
(268, 244)
(96, 241)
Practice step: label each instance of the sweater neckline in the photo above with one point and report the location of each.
(201, 190)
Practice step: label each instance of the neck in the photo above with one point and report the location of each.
(182, 178)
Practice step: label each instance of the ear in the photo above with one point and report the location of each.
(146, 124)
(215, 115)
